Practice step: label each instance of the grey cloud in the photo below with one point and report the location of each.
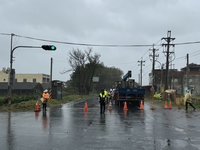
(99, 22)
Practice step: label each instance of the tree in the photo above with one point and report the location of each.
(107, 76)
(83, 65)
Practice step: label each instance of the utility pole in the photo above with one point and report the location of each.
(173, 74)
(161, 82)
(141, 64)
(11, 73)
(153, 55)
(187, 72)
(51, 67)
(168, 39)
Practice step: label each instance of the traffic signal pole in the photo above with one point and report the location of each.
(11, 77)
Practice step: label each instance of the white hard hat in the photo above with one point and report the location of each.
(45, 91)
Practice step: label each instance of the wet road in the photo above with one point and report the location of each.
(69, 127)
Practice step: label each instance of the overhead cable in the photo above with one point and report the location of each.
(85, 44)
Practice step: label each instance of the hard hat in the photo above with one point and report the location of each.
(45, 91)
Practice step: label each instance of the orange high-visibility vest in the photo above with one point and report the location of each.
(46, 96)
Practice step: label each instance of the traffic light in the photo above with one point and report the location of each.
(49, 47)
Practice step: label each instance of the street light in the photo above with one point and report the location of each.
(11, 74)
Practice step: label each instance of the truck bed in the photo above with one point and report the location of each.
(129, 95)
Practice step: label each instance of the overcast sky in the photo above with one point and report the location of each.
(98, 22)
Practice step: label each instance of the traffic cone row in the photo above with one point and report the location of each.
(37, 106)
(170, 105)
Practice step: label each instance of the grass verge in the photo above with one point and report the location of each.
(29, 105)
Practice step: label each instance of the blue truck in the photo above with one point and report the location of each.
(128, 91)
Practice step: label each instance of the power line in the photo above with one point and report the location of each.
(84, 44)
(100, 45)
(187, 43)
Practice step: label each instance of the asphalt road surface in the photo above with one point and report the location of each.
(68, 127)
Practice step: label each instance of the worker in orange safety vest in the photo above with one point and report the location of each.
(45, 98)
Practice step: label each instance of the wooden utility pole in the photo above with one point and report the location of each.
(153, 55)
(51, 68)
(168, 39)
(141, 64)
(11, 73)
(187, 72)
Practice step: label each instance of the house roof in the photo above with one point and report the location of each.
(19, 85)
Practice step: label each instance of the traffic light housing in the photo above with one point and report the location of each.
(49, 47)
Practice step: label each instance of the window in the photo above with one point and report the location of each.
(34, 80)
(15, 80)
(44, 80)
(24, 80)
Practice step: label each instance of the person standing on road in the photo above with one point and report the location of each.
(188, 100)
(106, 95)
(102, 101)
(45, 98)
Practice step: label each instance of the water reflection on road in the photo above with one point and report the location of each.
(69, 126)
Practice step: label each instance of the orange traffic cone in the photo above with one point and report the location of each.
(37, 106)
(125, 106)
(141, 106)
(110, 106)
(165, 104)
(170, 105)
(152, 107)
(86, 107)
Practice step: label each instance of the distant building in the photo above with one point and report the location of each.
(32, 78)
(24, 83)
(21, 88)
(178, 79)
